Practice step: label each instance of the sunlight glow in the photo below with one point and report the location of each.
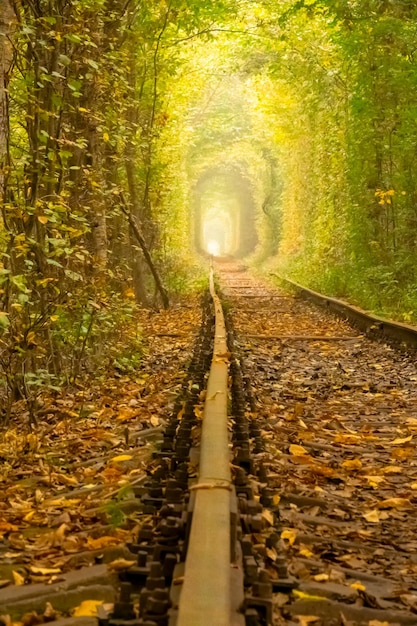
(213, 247)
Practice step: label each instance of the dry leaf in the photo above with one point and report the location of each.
(354, 464)
(305, 620)
(392, 469)
(50, 614)
(395, 503)
(88, 608)
(296, 450)
(121, 458)
(347, 438)
(44, 571)
(374, 481)
(154, 421)
(358, 586)
(401, 440)
(101, 542)
(372, 516)
(320, 578)
(376, 622)
(119, 565)
(268, 517)
(290, 534)
(18, 578)
(304, 551)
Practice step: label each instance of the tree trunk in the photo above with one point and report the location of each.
(6, 56)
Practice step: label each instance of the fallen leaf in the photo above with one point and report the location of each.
(413, 485)
(121, 458)
(305, 620)
(358, 586)
(119, 565)
(347, 438)
(376, 622)
(88, 608)
(50, 614)
(353, 464)
(395, 503)
(374, 481)
(6, 527)
(296, 450)
(44, 570)
(372, 516)
(18, 578)
(290, 534)
(102, 542)
(320, 578)
(268, 517)
(392, 469)
(154, 421)
(304, 551)
(401, 440)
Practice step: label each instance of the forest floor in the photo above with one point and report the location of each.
(339, 414)
(65, 484)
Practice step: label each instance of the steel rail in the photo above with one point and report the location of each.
(205, 598)
(394, 331)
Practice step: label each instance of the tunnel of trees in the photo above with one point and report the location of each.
(224, 214)
(132, 133)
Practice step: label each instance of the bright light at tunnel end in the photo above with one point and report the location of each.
(213, 247)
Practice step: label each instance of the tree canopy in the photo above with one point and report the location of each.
(127, 128)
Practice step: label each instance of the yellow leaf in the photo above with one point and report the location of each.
(395, 503)
(106, 136)
(306, 620)
(129, 293)
(268, 517)
(18, 578)
(357, 585)
(347, 438)
(276, 499)
(29, 516)
(154, 421)
(354, 464)
(372, 516)
(401, 440)
(88, 608)
(121, 458)
(306, 552)
(297, 450)
(374, 481)
(376, 622)
(120, 565)
(290, 534)
(320, 578)
(44, 571)
(411, 421)
(59, 503)
(43, 219)
(392, 469)
(102, 542)
(305, 596)
(413, 486)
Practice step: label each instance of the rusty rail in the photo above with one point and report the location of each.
(370, 324)
(205, 598)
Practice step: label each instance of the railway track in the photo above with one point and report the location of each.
(282, 490)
